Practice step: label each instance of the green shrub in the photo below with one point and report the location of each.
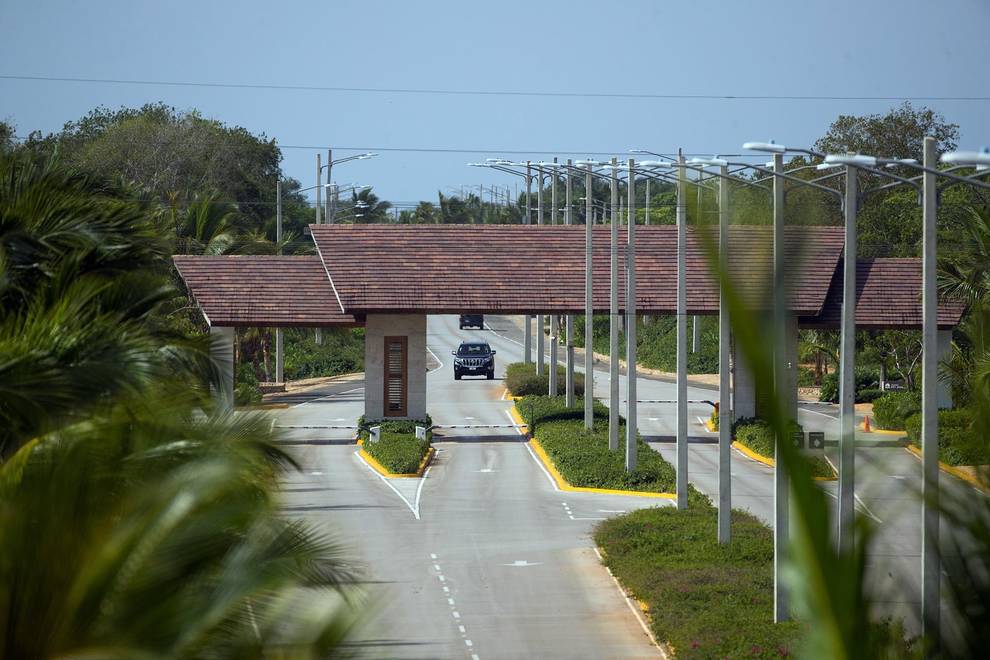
(656, 342)
(757, 435)
(806, 377)
(341, 352)
(706, 600)
(246, 390)
(536, 410)
(867, 379)
(521, 380)
(869, 395)
(397, 450)
(892, 409)
(407, 426)
(958, 444)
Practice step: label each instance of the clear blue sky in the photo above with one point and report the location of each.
(896, 48)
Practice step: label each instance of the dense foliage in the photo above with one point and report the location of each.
(867, 382)
(892, 409)
(521, 379)
(958, 442)
(758, 435)
(397, 449)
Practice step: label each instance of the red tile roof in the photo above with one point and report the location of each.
(531, 269)
(888, 294)
(262, 290)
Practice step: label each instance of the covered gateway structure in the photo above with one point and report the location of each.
(388, 278)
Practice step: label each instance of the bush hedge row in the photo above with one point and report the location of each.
(397, 450)
(521, 380)
(757, 436)
(892, 409)
(867, 383)
(958, 443)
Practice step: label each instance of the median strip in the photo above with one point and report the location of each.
(385, 472)
(956, 472)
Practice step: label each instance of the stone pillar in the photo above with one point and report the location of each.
(944, 391)
(377, 327)
(743, 386)
(222, 352)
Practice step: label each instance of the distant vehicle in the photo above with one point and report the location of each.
(474, 358)
(473, 320)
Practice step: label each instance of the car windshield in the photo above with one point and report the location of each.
(468, 350)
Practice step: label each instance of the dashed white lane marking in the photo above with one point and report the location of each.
(462, 629)
(653, 419)
(633, 608)
(432, 556)
(316, 474)
(469, 418)
(469, 643)
(436, 566)
(450, 601)
(456, 614)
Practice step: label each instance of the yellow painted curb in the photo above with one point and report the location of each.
(265, 406)
(517, 418)
(902, 434)
(382, 470)
(749, 453)
(955, 472)
(710, 426)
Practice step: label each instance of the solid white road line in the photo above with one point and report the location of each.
(412, 507)
(435, 358)
(635, 610)
(328, 396)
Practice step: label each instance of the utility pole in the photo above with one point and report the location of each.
(540, 318)
(613, 319)
(930, 556)
(647, 200)
(589, 310)
(725, 415)
(279, 355)
(569, 319)
(682, 421)
(631, 426)
(528, 219)
(554, 319)
(780, 477)
(847, 381)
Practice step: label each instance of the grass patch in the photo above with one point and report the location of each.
(958, 443)
(537, 409)
(704, 599)
(521, 380)
(398, 450)
(756, 435)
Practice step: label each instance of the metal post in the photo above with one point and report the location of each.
(930, 559)
(631, 425)
(847, 380)
(613, 319)
(725, 416)
(279, 354)
(589, 311)
(554, 318)
(695, 334)
(682, 421)
(528, 218)
(540, 318)
(569, 319)
(328, 216)
(647, 201)
(780, 486)
(318, 333)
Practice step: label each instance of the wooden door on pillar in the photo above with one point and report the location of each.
(396, 381)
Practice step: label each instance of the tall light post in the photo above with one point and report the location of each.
(569, 319)
(540, 339)
(930, 552)
(589, 311)
(613, 325)
(631, 419)
(554, 322)
(279, 340)
(681, 322)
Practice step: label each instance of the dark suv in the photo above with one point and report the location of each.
(473, 320)
(474, 358)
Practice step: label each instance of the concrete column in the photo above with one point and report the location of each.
(791, 364)
(944, 392)
(222, 352)
(377, 327)
(743, 387)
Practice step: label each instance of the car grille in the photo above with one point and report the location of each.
(473, 362)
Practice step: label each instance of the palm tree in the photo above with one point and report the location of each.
(205, 226)
(370, 207)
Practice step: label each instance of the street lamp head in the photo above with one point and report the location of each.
(367, 155)
(827, 166)
(979, 158)
(861, 160)
(901, 161)
(769, 147)
(709, 162)
(585, 163)
(654, 164)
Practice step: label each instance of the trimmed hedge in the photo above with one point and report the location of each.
(867, 381)
(397, 449)
(706, 600)
(538, 409)
(757, 435)
(892, 409)
(958, 444)
(521, 380)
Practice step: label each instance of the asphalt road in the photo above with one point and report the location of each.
(516, 555)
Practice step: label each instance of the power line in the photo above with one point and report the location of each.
(502, 92)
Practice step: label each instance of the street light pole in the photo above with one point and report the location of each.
(540, 345)
(554, 322)
(528, 335)
(631, 425)
(682, 421)
(780, 477)
(847, 380)
(569, 319)
(725, 416)
(589, 353)
(613, 319)
(318, 333)
(930, 555)
(279, 355)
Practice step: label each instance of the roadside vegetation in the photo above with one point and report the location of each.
(521, 379)
(136, 519)
(757, 436)
(583, 458)
(398, 449)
